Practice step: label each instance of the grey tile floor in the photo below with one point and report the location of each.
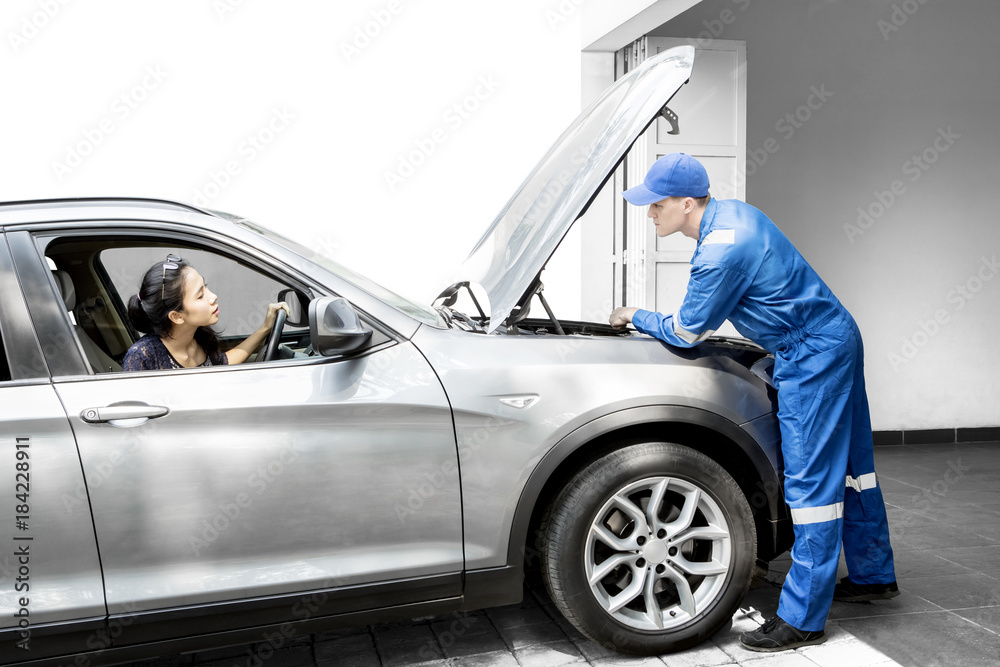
(944, 513)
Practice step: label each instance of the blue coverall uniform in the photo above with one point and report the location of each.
(745, 270)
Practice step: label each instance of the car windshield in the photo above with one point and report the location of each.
(417, 311)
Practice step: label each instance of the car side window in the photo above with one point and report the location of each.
(243, 292)
(97, 276)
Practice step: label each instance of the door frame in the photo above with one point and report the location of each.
(640, 256)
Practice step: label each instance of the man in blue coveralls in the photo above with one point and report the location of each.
(745, 270)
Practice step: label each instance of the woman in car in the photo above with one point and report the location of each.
(176, 311)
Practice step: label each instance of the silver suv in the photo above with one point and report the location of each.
(379, 459)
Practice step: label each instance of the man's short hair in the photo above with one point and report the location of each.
(702, 202)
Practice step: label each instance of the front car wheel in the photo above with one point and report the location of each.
(649, 549)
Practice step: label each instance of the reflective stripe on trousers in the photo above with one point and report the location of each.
(862, 483)
(836, 510)
(803, 515)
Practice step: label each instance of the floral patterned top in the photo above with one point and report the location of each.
(150, 354)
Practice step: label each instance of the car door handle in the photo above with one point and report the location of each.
(129, 411)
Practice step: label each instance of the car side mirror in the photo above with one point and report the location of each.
(334, 327)
(298, 307)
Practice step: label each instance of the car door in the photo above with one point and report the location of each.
(50, 575)
(232, 487)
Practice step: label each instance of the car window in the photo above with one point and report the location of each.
(96, 276)
(243, 292)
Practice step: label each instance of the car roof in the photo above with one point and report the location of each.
(27, 212)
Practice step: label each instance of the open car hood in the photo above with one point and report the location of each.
(520, 241)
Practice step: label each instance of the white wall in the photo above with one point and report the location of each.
(911, 94)
(332, 109)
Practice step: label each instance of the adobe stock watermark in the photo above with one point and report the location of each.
(427, 488)
(529, 208)
(228, 512)
(928, 499)
(326, 245)
(31, 25)
(122, 107)
(285, 634)
(101, 640)
(914, 168)
(561, 12)
(249, 148)
(787, 126)
(34, 366)
(370, 30)
(453, 118)
(223, 8)
(715, 28)
(900, 15)
(958, 297)
(448, 637)
(445, 476)
(8, 569)
(101, 471)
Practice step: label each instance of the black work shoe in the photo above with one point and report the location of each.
(848, 591)
(776, 635)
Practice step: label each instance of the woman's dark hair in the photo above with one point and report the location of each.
(162, 291)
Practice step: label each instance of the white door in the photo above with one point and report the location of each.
(708, 121)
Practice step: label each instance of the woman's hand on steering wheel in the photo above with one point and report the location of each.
(272, 312)
(274, 321)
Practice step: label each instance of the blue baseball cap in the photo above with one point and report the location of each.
(673, 175)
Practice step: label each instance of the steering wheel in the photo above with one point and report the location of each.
(270, 350)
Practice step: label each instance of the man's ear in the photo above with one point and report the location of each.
(689, 205)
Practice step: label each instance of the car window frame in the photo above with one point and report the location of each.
(234, 249)
(50, 321)
(17, 334)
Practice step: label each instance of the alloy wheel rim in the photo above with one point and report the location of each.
(658, 553)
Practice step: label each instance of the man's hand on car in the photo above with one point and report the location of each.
(622, 317)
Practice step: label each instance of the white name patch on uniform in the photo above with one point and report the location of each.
(725, 236)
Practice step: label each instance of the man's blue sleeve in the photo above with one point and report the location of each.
(712, 293)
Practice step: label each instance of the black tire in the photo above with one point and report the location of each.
(692, 606)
